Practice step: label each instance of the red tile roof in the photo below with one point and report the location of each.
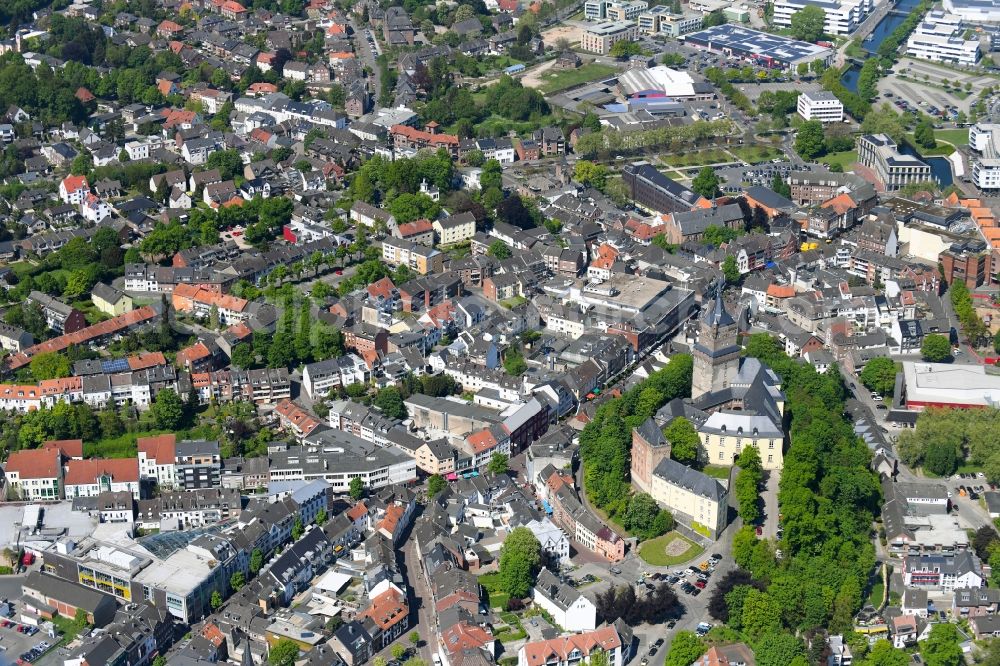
(604, 639)
(357, 511)
(69, 448)
(74, 183)
(161, 448)
(482, 440)
(414, 228)
(299, 418)
(462, 636)
(35, 464)
(393, 514)
(84, 95)
(388, 609)
(121, 470)
(381, 288)
(190, 355)
(146, 360)
(85, 335)
(198, 294)
(425, 137)
(840, 204)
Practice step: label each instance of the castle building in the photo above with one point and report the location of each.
(717, 352)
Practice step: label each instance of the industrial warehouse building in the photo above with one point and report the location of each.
(764, 49)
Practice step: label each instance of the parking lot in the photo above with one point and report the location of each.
(916, 81)
(22, 642)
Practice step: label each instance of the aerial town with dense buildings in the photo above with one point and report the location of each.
(500, 332)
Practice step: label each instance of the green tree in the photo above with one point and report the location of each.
(216, 600)
(924, 134)
(398, 651)
(779, 185)
(237, 580)
(684, 440)
(499, 250)
(499, 464)
(779, 649)
(761, 613)
(167, 410)
(520, 559)
(641, 517)
(590, 174)
(435, 485)
(390, 402)
(936, 348)
(809, 140)
(706, 183)
(808, 23)
(50, 365)
(868, 79)
(243, 356)
(283, 653)
(514, 363)
(357, 488)
(625, 49)
(297, 529)
(414, 639)
(685, 649)
(256, 560)
(160, 660)
(228, 162)
(491, 176)
(942, 646)
(730, 270)
(884, 654)
(879, 375)
(321, 517)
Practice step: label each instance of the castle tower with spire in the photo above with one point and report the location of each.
(717, 352)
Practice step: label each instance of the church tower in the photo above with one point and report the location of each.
(717, 352)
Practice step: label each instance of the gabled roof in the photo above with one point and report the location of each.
(35, 464)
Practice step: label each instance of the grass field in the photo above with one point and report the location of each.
(753, 154)
(956, 137)
(496, 597)
(655, 551)
(844, 159)
(556, 81)
(878, 591)
(698, 158)
(717, 471)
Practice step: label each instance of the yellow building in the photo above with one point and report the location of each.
(455, 229)
(110, 301)
(696, 499)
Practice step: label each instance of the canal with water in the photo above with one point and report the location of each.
(940, 166)
(885, 27)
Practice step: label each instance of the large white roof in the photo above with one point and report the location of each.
(674, 83)
(947, 384)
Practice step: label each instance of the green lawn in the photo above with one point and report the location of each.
(956, 137)
(511, 303)
(717, 471)
(754, 154)
(67, 628)
(697, 158)
(877, 593)
(556, 81)
(496, 597)
(654, 551)
(844, 159)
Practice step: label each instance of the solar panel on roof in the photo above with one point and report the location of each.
(115, 365)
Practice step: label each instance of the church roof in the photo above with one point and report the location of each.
(717, 315)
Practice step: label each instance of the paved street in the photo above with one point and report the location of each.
(419, 598)
(365, 50)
